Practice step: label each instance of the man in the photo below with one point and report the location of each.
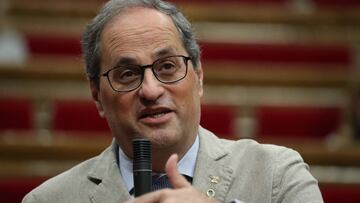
(146, 80)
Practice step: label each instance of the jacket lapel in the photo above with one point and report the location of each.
(107, 180)
(213, 175)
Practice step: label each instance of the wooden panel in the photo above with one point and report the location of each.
(74, 147)
(59, 146)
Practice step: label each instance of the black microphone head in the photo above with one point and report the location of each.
(141, 166)
(141, 154)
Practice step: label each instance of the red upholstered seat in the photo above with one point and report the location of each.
(334, 193)
(233, 2)
(16, 114)
(219, 119)
(13, 190)
(77, 116)
(297, 121)
(336, 4)
(290, 53)
(51, 44)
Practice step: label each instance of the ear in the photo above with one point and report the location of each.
(200, 76)
(95, 96)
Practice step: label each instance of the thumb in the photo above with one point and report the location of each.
(175, 178)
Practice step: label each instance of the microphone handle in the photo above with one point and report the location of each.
(142, 166)
(142, 182)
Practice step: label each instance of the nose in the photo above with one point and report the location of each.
(151, 89)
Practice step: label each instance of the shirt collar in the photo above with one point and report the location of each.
(186, 165)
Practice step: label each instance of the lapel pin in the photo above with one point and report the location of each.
(214, 179)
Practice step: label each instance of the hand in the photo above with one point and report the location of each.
(182, 192)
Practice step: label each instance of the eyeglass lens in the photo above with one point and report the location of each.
(166, 70)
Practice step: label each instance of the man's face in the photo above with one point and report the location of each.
(167, 114)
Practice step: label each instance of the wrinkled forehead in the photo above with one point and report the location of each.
(140, 19)
(139, 29)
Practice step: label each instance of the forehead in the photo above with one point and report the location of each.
(139, 30)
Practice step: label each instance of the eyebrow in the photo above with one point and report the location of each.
(160, 53)
(164, 52)
(125, 61)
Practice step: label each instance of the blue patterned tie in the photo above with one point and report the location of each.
(161, 181)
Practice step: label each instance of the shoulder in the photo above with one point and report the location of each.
(256, 154)
(61, 185)
(274, 173)
(251, 148)
(249, 155)
(68, 184)
(74, 176)
(265, 151)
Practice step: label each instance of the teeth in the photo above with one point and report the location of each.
(156, 115)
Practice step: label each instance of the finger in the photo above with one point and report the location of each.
(175, 178)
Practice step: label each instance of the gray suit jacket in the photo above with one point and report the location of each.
(243, 170)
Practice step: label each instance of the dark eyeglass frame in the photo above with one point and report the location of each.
(185, 58)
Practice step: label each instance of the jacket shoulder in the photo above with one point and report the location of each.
(238, 148)
(68, 184)
(275, 173)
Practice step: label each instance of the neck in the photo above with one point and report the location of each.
(161, 155)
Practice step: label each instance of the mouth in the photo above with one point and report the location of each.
(155, 116)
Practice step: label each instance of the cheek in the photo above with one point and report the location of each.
(190, 98)
(115, 105)
(120, 106)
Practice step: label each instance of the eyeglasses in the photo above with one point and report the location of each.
(167, 70)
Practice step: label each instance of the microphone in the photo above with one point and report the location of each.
(141, 166)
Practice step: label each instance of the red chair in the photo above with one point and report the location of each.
(298, 121)
(53, 44)
(78, 116)
(13, 190)
(292, 53)
(334, 193)
(219, 119)
(16, 114)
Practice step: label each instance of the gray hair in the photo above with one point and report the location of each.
(92, 35)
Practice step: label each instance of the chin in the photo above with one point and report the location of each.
(163, 138)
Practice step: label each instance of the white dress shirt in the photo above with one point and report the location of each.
(186, 165)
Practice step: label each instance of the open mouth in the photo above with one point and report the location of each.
(154, 113)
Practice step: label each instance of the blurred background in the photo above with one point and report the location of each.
(278, 71)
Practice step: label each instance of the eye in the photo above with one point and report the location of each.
(166, 67)
(126, 74)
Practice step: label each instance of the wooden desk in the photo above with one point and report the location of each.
(319, 152)
(46, 155)
(31, 154)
